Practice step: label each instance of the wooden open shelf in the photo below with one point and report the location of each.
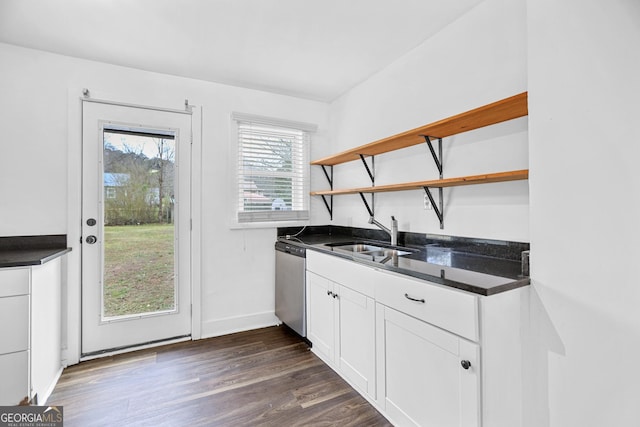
(500, 111)
(497, 112)
(436, 183)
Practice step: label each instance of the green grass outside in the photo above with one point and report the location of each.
(139, 269)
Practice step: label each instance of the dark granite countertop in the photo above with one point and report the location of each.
(24, 251)
(480, 266)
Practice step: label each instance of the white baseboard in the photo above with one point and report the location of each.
(230, 325)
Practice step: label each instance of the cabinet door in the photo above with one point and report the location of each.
(320, 316)
(422, 381)
(355, 352)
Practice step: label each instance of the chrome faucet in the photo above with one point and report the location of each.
(393, 232)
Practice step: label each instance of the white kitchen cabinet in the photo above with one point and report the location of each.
(30, 317)
(421, 378)
(321, 314)
(428, 363)
(341, 328)
(14, 345)
(423, 333)
(493, 325)
(356, 338)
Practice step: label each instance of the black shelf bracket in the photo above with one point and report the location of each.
(439, 208)
(371, 172)
(437, 158)
(366, 204)
(329, 204)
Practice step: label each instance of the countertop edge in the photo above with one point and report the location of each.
(33, 261)
(55, 255)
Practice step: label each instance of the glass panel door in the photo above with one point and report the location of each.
(136, 233)
(139, 235)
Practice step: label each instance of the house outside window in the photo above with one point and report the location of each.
(273, 169)
(110, 192)
(115, 183)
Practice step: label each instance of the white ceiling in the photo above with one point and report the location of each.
(315, 49)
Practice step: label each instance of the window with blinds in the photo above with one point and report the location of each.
(273, 169)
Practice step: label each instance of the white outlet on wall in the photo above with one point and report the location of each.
(427, 203)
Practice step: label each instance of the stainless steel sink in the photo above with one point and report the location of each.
(356, 247)
(369, 250)
(372, 250)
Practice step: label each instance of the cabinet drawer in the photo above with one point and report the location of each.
(349, 273)
(14, 371)
(448, 309)
(14, 281)
(14, 321)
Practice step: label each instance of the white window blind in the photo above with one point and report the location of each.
(273, 169)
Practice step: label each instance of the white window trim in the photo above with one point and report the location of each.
(236, 117)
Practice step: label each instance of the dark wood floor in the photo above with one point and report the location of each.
(266, 377)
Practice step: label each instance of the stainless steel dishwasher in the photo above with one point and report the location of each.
(290, 286)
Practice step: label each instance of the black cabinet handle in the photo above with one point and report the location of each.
(331, 294)
(414, 299)
(465, 364)
(335, 296)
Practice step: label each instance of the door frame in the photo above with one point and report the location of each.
(102, 334)
(71, 298)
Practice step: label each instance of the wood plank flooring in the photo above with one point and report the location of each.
(265, 377)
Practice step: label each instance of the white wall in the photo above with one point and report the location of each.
(583, 68)
(478, 59)
(40, 154)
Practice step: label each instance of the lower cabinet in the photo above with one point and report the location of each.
(426, 376)
(321, 317)
(15, 332)
(30, 327)
(423, 354)
(341, 326)
(356, 339)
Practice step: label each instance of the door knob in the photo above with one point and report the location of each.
(465, 364)
(91, 239)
